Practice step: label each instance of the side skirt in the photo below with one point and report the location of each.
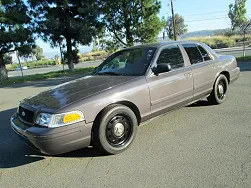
(168, 110)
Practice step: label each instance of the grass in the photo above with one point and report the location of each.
(36, 77)
(241, 59)
(220, 41)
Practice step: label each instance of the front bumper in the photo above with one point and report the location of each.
(53, 141)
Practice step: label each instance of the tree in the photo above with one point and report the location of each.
(180, 26)
(132, 21)
(7, 59)
(15, 31)
(56, 58)
(67, 22)
(38, 53)
(237, 13)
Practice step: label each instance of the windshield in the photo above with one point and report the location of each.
(131, 62)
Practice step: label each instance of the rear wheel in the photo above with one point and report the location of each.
(219, 93)
(115, 130)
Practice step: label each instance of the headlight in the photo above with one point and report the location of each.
(58, 120)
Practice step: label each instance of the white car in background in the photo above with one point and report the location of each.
(23, 68)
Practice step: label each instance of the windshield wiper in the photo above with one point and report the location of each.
(110, 73)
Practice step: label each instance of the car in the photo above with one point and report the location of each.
(23, 68)
(136, 84)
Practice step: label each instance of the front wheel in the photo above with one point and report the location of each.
(219, 92)
(115, 130)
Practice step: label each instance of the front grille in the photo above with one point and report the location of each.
(25, 114)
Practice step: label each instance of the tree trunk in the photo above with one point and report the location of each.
(3, 71)
(69, 54)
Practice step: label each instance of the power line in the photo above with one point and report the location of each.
(189, 10)
(206, 13)
(209, 13)
(218, 18)
(207, 19)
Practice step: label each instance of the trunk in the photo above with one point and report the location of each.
(129, 39)
(19, 63)
(69, 54)
(3, 71)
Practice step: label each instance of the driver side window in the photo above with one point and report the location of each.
(171, 55)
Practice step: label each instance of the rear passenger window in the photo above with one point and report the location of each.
(171, 55)
(193, 53)
(204, 53)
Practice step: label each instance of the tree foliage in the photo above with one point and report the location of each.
(15, 30)
(67, 22)
(180, 26)
(132, 21)
(7, 58)
(38, 53)
(237, 13)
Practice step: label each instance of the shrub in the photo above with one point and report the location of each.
(221, 41)
(33, 64)
(83, 59)
(216, 41)
(91, 56)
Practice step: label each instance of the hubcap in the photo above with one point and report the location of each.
(118, 129)
(221, 90)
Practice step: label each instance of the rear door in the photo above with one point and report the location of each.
(203, 69)
(171, 89)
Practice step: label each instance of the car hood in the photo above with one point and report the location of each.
(69, 92)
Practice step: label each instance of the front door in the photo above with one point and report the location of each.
(172, 89)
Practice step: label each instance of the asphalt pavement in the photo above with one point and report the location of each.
(196, 146)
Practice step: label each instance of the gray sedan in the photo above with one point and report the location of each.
(131, 86)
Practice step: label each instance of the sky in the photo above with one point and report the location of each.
(198, 15)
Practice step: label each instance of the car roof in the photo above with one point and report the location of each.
(159, 44)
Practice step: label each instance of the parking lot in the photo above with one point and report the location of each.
(196, 146)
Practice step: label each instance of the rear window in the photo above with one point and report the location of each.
(204, 53)
(193, 53)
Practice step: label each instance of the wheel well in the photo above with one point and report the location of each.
(225, 73)
(132, 106)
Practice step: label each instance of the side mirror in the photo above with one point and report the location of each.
(163, 67)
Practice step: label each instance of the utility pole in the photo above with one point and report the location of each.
(174, 28)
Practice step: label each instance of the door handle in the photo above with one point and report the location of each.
(213, 67)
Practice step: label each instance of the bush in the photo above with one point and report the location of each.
(216, 41)
(83, 59)
(245, 58)
(92, 56)
(33, 64)
(220, 41)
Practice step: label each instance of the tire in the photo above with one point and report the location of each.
(219, 92)
(115, 130)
